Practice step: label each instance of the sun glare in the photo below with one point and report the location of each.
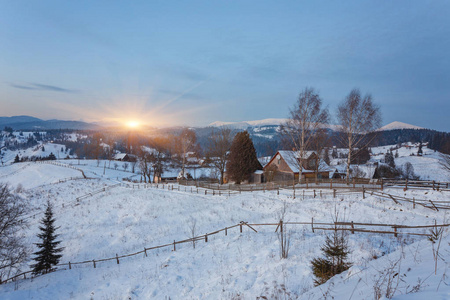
(133, 124)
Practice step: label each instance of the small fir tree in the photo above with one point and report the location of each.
(16, 159)
(420, 152)
(52, 156)
(48, 256)
(242, 160)
(334, 262)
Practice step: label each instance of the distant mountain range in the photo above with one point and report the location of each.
(277, 122)
(32, 123)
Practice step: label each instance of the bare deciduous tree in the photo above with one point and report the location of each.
(184, 143)
(358, 116)
(306, 117)
(12, 250)
(218, 149)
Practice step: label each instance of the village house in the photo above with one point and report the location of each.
(285, 165)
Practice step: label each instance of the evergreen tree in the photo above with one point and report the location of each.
(334, 262)
(48, 256)
(17, 159)
(420, 152)
(389, 159)
(242, 161)
(52, 156)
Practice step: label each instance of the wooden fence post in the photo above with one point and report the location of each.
(353, 227)
(226, 230)
(395, 231)
(240, 227)
(145, 251)
(70, 266)
(381, 183)
(353, 182)
(312, 224)
(364, 194)
(334, 193)
(306, 182)
(206, 238)
(117, 258)
(414, 202)
(314, 193)
(406, 184)
(94, 263)
(331, 183)
(174, 247)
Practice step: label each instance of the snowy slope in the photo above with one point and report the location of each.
(236, 266)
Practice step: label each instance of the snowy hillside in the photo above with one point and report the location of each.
(244, 265)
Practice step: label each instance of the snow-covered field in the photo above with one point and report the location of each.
(123, 220)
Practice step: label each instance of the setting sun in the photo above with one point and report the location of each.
(133, 124)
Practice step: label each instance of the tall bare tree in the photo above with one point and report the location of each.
(218, 148)
(185, 143)
(307, 117)
(358, 117)
(12, 249)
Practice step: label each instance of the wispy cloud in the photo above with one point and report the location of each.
(43, 87)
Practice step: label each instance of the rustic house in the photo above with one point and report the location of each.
(285, 165)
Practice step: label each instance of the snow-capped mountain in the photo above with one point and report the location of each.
(398, 125)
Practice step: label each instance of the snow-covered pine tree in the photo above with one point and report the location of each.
(48, 256)
(334, 262)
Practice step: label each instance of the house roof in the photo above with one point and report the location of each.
(120, 156)
(291, 159)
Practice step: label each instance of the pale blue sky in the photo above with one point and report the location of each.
(195, 62)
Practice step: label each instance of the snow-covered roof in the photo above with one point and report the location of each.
(120, 156)
(291, 159)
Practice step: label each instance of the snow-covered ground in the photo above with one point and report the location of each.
(122, 220)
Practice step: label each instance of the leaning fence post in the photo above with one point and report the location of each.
(145, 251)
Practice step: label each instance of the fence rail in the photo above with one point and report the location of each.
(418, 184)
(335, 226)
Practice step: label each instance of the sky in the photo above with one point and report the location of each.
(196, 62)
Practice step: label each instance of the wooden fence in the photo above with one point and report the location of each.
(336, 226)
(418, 184)
(307, 183)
